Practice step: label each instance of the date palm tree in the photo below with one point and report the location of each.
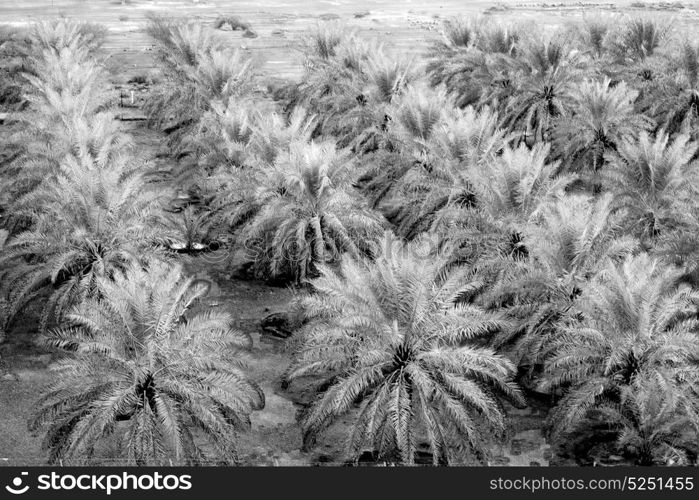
(558, 252)
(601, 116)
(653, 421)
(197, 70)
(474, 61)
(388, 336)
(508, 189)
(383, 80)
(241, 135)
(412, 118)
(65, 78)
(637, 38)
(145, 365)
(636, 324)
(67, 82)
(500, 38)
(68, 105)
(653, 183)
(454, 61)
(4, 306)
(306, 213)
(512, 186)
(674, 101)
(487, 194)
(457, 33)
(88, 223)
(47, 142)
(591, 35)
(237, 146)
(450, 149)
(545, 71)
(60, 33)
(415, 116)
(335, 62)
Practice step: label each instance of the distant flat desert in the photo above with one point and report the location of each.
(403, 26)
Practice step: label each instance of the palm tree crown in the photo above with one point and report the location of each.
(390, 335)
(90, 221)
(149, 369)
(307, 213)
(637, 321)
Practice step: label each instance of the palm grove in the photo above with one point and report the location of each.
(512, 214)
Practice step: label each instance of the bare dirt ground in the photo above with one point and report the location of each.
(405, 26)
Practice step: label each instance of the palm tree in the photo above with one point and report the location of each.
(411, 119)
(653, 183)
(274, 134)
(457, 33)
(389, 336)
(591, 35)
(454, 59)
(88, 223)
(674, 99)
(508, 189)
(67, 82)
(637, 38)
(223, 136)
(460, 70)
(237, 145)
(601, 116)
(474, 61)
(451, 155)
(12, 45)
(654, 423)
(177, 105)
(415, 115)
(306, 213)
(335, 62)
(513, 185)
(197, 70)
(324, 40)
(241, 135)
(557, 253)
(690, 67)
(636, 324)
(469, 136)
(499, 38)
(65, 77)
(383, 79)
(48, 140)
(57, 34)
(351, 92)
(545, 71)
(634, 56)
(150, 370)
(68, 104)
